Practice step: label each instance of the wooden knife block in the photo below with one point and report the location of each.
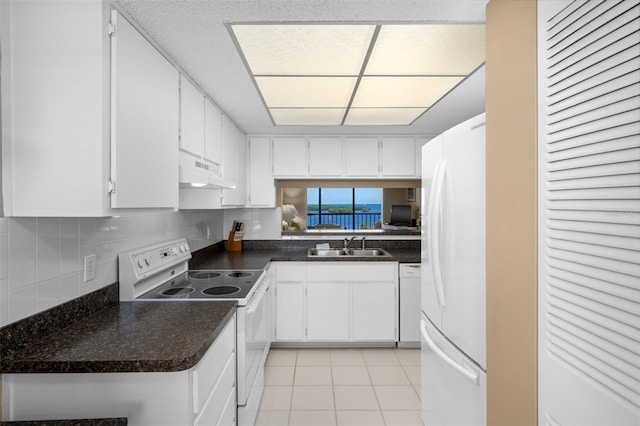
(234, 243)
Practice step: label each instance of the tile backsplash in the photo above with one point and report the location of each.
(42, 259)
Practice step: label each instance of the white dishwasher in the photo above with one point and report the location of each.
(409, 305)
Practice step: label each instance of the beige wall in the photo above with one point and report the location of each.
(511, 213)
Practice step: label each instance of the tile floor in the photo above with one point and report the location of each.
(344, 387)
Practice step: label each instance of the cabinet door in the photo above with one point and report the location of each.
(289, 311)
(57, 104)
(374, 312)
(398, 156)
(144, 136)
(289, 157)
(191, 118)
(361, 157)
(325, 157)
(328, 311)
(262, 191)
(229, 160)
(212, 133)
(241, 168)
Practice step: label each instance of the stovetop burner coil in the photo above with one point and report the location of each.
(220, 290)
(238, 274)
(204, 275)
(175, 291)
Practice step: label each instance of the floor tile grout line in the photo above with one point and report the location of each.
(333, 384)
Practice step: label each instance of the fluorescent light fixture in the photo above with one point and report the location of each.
(402, 91)
(198, 185)
(360, 74)
(310, 49)
(308, 116)
(444, 49)
(382, 116)
(301, 92)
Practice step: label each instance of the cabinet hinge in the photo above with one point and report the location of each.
(111, 187)
(111, 30)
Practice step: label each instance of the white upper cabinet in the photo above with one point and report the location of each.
(143, 145)
(234, 164)
(212, 133)
(322, 157)
(191, 118)
(289, 157)
(325, 157)
(361, 157)
(67, 133)
(262, 192)
(230, 153)
(241, 167)
(398, 156)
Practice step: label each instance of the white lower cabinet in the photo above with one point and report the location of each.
(375, 312)
(336, 302)
(327, 311)
(203, 395)
(289, 306)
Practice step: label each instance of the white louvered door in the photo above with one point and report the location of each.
(589, 212)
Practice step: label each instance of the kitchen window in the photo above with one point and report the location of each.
(344, 208)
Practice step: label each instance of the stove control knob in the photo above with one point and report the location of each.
(140, 263)
(147, 260)
(174, 251)
(182, 249)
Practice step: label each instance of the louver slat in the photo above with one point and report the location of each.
(597, 147)
(591, 195)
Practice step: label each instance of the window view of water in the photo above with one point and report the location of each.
(343, 208)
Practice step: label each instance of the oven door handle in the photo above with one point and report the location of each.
(257, 299)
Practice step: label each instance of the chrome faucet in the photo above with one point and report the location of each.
(347, 241)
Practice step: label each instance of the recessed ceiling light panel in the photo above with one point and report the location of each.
(447, 49)
(402, 92)
(313, 49)
(307, 116)
(306, 91)
(382, 116)
(383, 74)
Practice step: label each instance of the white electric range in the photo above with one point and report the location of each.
(159, 272)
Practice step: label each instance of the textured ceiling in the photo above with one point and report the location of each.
(194, 34)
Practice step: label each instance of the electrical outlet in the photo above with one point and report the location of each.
(89, 267)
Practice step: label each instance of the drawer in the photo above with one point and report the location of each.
(409, 270)
(207, 371)
(353, 272)
(289, 272)
(216, 402)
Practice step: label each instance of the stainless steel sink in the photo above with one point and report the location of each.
(374, 252)
(326, 252)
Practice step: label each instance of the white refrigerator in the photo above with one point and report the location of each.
(453, 326)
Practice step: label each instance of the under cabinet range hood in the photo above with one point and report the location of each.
(195, 173)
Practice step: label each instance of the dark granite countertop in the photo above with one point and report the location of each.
(257, 255)
(149, 336)
(127, 337)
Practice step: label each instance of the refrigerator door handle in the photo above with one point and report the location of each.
(470, 375)
(436, 231)
(431, 223)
